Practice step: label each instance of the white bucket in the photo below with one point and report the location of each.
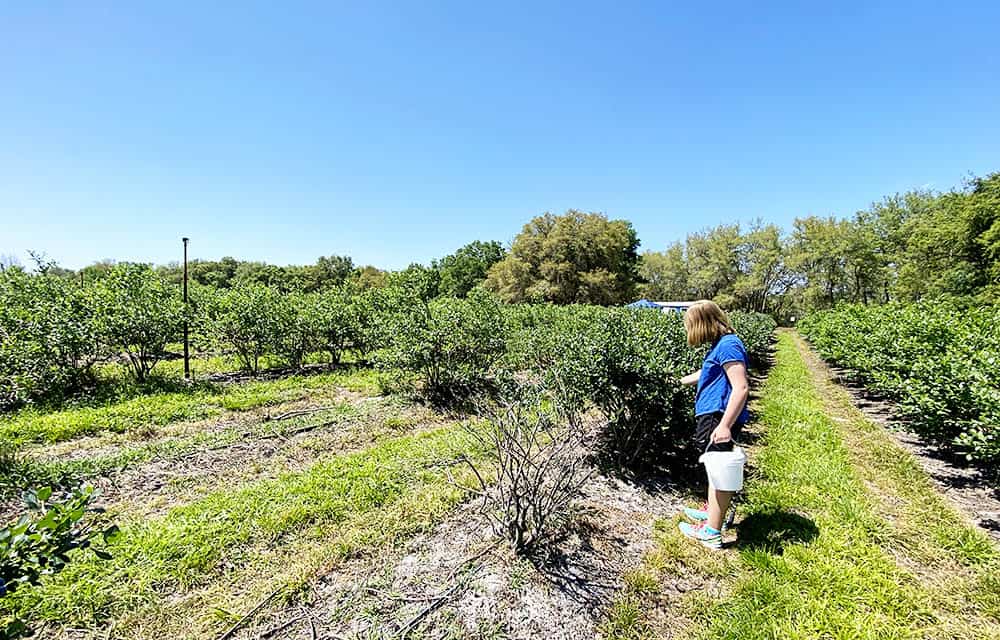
(724, 468)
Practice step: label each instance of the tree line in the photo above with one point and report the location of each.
(906, 247)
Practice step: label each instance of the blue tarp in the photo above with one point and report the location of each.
(643, 304)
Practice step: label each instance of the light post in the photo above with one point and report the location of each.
(187, 360)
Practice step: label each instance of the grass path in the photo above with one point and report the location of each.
(840, 535)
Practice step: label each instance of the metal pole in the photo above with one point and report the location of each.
(187, 356)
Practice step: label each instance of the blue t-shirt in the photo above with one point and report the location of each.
(713, 385)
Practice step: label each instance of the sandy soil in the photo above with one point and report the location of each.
(457, 581)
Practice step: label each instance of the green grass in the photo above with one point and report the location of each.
(816, 556)
(158, 409)
(207, 363)
(57, 471)
(220, 552)
(626, 619)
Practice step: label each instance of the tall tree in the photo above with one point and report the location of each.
(467, 267)
(985, 206)
(576, 257)
(714, 263)
(817, 251)
(944, 253)
(369, 277)
(665, 274)
(763, 272)
(330, 271)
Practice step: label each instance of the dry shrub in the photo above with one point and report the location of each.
(538, 453)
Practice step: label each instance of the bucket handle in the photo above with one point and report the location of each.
(710, 443)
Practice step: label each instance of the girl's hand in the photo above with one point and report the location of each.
(721, 434)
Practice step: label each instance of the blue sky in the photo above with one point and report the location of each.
(398, 132)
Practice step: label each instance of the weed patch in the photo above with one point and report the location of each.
(244, 537)
(159, 409)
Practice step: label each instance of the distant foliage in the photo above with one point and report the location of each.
(328, 271)
(467, 267)
(902, 248)
(741, 268)
(937, 358)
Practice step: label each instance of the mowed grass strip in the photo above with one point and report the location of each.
(159, 409)
(957, 562)
(197, 564)
(816, 554)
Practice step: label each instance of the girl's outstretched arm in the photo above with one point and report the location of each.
(691, 378)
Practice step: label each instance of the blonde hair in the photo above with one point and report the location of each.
(706, 322)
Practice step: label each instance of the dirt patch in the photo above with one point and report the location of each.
(457, 581)
(108, 444)
(253, 449)
(973, 490)
(152, 488)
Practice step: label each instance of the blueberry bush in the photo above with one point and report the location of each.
(937, 359)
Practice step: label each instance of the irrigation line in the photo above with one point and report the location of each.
(242, 621)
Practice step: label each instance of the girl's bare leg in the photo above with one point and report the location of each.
(718, 505)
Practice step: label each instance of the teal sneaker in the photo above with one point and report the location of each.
(698, 515)
(701, 515)
(707, 536)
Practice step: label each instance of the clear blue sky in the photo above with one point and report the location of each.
(282, 131)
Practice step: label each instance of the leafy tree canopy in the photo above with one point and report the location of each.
(576, 257)
(467, 267)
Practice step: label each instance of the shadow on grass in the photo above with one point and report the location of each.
(774, 531)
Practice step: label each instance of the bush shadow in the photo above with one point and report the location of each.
(572, 560)
(774, 531)
(673, 466)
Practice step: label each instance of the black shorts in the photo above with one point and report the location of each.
(705, 425)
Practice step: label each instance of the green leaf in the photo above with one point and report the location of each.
(100, 553)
